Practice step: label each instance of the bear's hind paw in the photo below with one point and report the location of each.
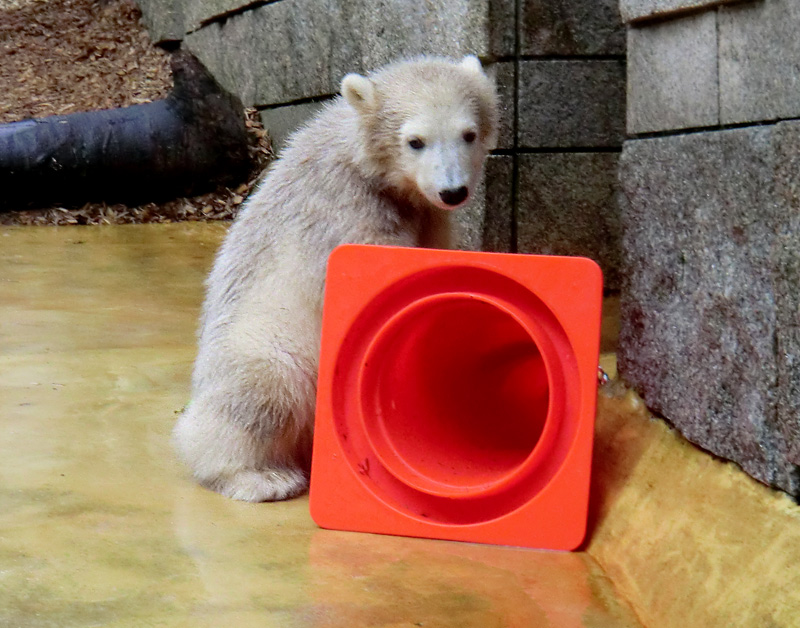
(263, 486)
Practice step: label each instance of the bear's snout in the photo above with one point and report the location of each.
(454, 197)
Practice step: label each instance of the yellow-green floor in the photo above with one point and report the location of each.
(100, 525)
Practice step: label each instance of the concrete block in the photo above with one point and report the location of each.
(380, 31)
(571, 27)
(498, 200)
(672, 75)
(787, 267)
(502, 27)
(296, 49)
(567, 205)
(281, 122)
(199, 12)
(500, 24)
(759, 61)
(503, 74)
(703, 302)
(276, 53)
(632, 10)
(565, 103)
(164, 20)
(485, 224)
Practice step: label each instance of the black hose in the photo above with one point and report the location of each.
(188, 143)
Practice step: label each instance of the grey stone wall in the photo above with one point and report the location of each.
(570, 82)
(711, 224)
(282, 52)
(559, 65)
(164, 20)
(732, 65)
(633, 10)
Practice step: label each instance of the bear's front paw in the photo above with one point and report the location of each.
(263, 486)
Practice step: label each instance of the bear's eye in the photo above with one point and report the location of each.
(469, 136)
(416, 143)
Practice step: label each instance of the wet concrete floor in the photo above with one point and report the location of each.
(101, 526)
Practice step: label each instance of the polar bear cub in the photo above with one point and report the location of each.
(385, 163)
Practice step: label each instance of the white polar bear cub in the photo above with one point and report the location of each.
(383, 164)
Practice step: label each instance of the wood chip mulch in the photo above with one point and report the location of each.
(64, 56)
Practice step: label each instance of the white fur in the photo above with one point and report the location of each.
(359, 93)
(349, 176)
(446, 162)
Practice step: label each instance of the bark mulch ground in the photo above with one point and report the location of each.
(64, 56)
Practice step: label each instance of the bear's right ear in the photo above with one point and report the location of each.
(359, 92)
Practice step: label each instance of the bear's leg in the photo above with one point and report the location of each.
(238, 459)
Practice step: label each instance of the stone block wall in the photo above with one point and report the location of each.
(559, 64)
(710, 213)
(570, 97)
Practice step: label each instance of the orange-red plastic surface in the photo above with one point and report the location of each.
(456, 395)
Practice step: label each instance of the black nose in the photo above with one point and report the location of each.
(454, 197)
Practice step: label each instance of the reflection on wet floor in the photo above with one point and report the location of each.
(100, 525)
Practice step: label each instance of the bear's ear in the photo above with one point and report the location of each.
(472, 63)
(359, 92)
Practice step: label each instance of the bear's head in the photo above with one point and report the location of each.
(426, 127)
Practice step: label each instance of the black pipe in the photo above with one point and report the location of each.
(188, 143)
